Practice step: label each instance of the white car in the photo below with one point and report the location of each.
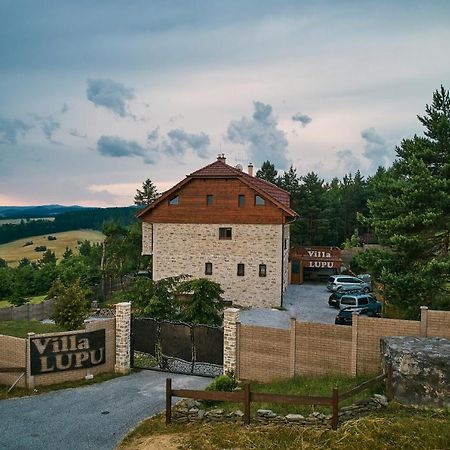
(339, 283)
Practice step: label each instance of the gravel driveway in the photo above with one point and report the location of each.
(93, 417)
(306, 302)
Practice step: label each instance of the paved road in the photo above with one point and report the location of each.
(93, 417)
(306, 302)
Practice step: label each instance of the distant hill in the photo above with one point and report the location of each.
(75, 219)
(30, 212)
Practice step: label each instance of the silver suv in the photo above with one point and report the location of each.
(339, 283)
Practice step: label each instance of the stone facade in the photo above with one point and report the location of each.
(230, 319)
(147, 238)
(287, 237)
(123, 337)
(185, 248)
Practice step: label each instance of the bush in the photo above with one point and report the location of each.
(51, 238)
(17, 299)
(28, 243)
(40, 248)
(71, 306)
(223, 383)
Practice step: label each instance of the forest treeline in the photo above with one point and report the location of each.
(328, 211)
(93, 218)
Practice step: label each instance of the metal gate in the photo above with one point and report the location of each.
(176, 347)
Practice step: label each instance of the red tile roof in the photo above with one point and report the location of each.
(221, 170)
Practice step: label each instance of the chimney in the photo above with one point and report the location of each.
(250, 169)
(221, 157)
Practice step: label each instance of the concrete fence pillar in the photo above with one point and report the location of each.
(230, 320)
(354, 353)
(292, 347)
(123, 337)
(29, 379)
(424, 321)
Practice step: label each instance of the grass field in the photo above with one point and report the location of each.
(14, 251)
(20, 328)
(33, 300)
(397, 427)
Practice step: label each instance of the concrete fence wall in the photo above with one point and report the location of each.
(13, 353)
(40, 311)
(263, 353)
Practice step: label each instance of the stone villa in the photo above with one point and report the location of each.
(223, 224)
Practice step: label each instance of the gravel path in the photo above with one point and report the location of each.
(93, 417)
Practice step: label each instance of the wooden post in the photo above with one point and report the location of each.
(168, 400)
(335, 406)
(389, 385)
(247, 403)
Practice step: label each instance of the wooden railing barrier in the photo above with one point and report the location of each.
(246, 397)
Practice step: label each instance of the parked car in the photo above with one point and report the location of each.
(345, 315)
(361, 301)
(338, 283)
(335, 298)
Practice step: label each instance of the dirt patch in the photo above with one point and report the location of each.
(155, 442)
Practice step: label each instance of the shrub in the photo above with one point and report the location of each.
(40, 248)
(28, 243)
(204, 303)
(51, 238)
(71, 306)
(223, 383)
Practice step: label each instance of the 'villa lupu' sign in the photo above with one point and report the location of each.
(67, 352)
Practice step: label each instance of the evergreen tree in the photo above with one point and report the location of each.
(48, 258)
(71, 306)
(410, 213)
(268, 172)
(314, 215)
(205, 304)
(147, 195)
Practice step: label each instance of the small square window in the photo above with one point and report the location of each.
(240, 269)
(241, 200)
(262, 270)
(208, 268)
(224, 233)
(174, 200)
(259, 201)
(209, 199)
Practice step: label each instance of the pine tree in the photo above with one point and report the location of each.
(147, 195)
(268, 172)
(410, 214)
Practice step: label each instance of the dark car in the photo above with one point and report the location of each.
(345, 315)
(335, 298)
(361, 301)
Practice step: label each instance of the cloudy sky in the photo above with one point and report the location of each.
(97, 96)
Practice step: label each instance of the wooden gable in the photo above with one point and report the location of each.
(224, 206)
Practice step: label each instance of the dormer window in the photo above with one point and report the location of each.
(174, 200)
(259, 201)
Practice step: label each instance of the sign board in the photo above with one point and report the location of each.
(67, 352)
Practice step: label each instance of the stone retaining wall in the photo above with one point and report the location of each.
(194, 411)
